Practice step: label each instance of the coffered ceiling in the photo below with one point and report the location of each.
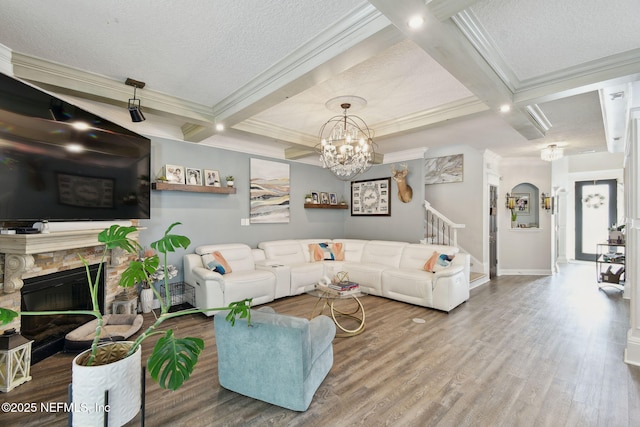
(265, 69)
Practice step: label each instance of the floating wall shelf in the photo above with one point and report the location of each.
(165, 186)
(324, 206)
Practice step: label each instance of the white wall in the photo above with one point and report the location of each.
(526, 250)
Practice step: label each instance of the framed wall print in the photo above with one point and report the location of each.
(371, 197)
(522, 202)
(212, 178)
(441, 170)
(194, 176)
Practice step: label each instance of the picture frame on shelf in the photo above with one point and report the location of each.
(315, 197)
(333, 198)
(193, 176)
(212, 178)
(371, 197)
(174, 174)
(324, 198)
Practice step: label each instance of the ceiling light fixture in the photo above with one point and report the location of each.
(416, 22)
(551, 153)
(134, 104)
(346, 143)
(505, 108)
(219, 127)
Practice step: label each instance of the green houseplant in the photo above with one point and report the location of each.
(173, 359)
(514, 218)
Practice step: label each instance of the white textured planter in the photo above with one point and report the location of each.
(121, 378)
(146, 300)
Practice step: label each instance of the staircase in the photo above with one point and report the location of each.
(440, 230)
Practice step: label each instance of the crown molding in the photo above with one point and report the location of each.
(270, 130)
(64, 79)
(5, 60)
(416, 121)
(404, 155)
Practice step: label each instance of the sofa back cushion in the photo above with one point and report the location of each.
(415, 255)
(238, 255)
(381, 252)
(352, 248)
(308, 250)
(285, 251)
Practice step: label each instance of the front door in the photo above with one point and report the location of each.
(596, 211)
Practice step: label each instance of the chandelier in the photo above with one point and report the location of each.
(346, 143)
(551, 153)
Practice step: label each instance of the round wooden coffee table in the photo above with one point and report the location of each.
(331, 301)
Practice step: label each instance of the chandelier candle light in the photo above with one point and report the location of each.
(551, 153)
(346, 146)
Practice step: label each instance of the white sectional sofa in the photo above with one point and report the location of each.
(384, 268)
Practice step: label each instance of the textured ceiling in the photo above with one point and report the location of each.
(265, 69)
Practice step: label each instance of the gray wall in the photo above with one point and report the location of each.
(215, 218)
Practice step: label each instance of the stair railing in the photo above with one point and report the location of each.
(440, 230)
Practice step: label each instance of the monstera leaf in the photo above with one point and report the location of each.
(173, 360)
(170, 242)
(139, 271)
(7, 315)
(117, 237)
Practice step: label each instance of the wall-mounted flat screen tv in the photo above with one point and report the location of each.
(59, 162)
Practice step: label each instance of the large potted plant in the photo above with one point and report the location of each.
(172, 360)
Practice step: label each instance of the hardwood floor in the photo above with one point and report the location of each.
(523, 351)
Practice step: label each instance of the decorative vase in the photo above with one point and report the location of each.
(307, 200)
(514, 224)
(229, 183)
(146, 300)
(121, 377)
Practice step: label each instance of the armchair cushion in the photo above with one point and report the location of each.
(279, 359)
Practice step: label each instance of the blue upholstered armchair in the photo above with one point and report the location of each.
(279, 359)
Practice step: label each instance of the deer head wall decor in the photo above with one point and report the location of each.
(405, 192)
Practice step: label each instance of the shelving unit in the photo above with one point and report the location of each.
(165, 186)
(610, 264)
(324, 206)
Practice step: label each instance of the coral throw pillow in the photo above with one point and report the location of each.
(216, 262)
(438, 262)
(326, 252)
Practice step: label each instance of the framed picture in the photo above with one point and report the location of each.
(315, 197)
(440, 170)
(269, 192)
(333, 198)
(324, 198)
(371, 197)
(212, 178)
(194, 176)
(522, 202)
(174, 174)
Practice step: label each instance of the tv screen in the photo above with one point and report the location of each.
(59, 162)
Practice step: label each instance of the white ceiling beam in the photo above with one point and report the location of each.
(445, 9)
(363, 34)
(447, 44)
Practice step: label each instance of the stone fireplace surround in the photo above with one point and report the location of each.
(23, 256)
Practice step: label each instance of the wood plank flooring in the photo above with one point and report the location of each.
(523, 351)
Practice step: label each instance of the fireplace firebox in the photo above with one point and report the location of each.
(64, 290)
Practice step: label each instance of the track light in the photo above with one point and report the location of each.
(134, 104)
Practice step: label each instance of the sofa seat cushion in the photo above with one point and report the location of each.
(257, 284)
(413, 286)
(304, 276)
(368, 276)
